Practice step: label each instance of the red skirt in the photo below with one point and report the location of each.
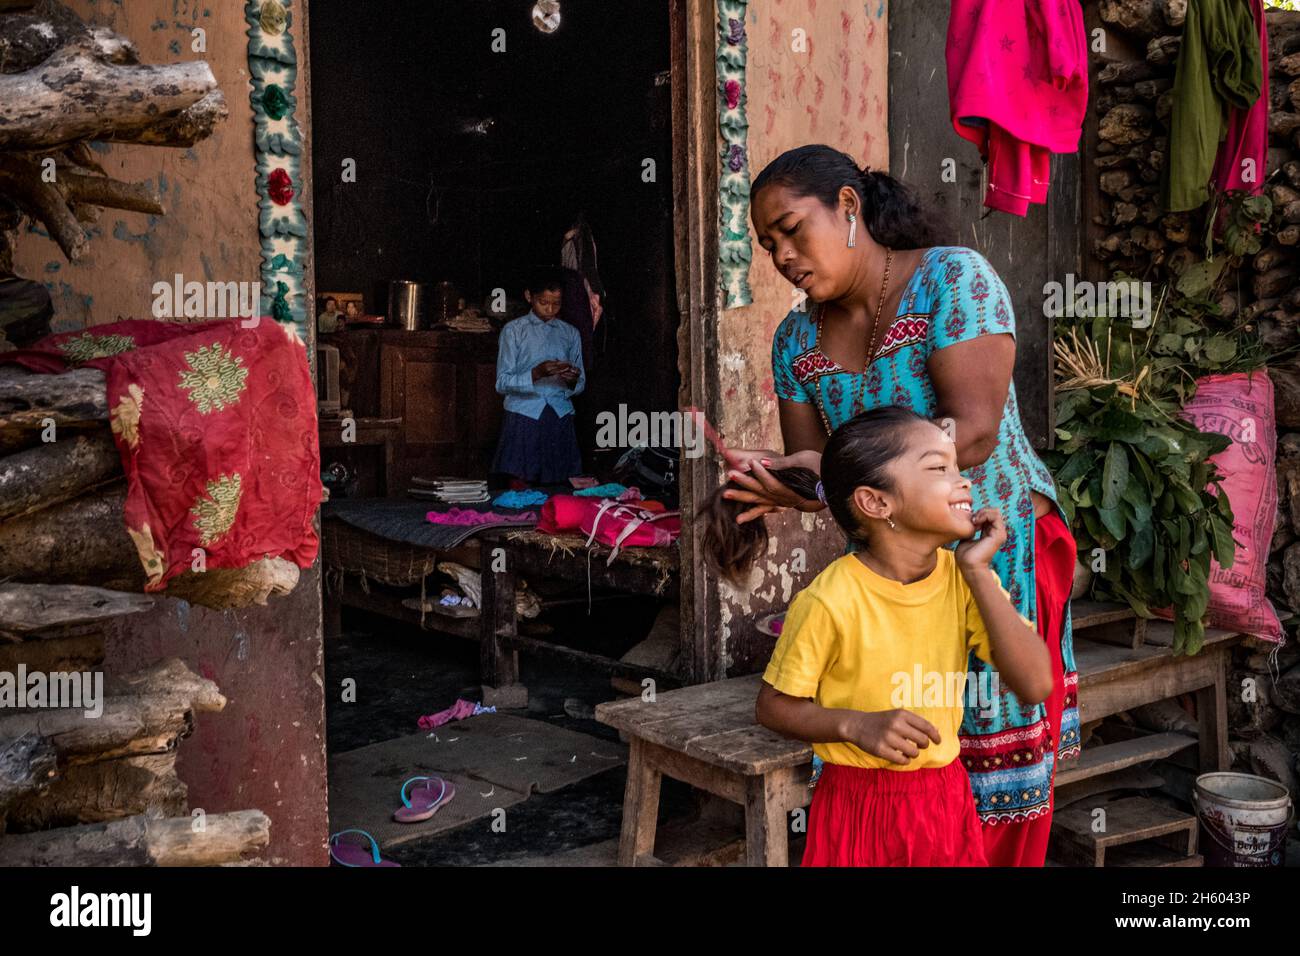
(893, 818)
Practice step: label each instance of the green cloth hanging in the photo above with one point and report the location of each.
(1218, 67)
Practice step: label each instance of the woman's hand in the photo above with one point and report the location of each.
(742, 459)
(898, 736)
(976, 554)
(760, 489)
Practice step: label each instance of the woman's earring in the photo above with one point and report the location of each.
(853, 230)
(891, 523)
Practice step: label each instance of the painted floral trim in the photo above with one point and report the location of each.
(735, 252)
(282, 223)
(214, 514)
(126, 416)
(215, 379)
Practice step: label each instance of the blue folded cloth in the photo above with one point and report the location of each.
(611, 490)
(520, 499)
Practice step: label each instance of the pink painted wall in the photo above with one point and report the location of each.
(266, 750)
(835, 93)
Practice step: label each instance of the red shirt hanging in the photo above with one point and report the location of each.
(1018, 90)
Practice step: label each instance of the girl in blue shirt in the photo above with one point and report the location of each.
(539, 369)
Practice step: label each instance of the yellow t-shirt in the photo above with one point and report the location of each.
(857, 640)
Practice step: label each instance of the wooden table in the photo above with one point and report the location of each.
(706, 736)
(646, 571)
(1114, 679)
(375, 432)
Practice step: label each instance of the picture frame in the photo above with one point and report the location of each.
(348, 307)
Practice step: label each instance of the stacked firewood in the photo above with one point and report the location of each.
(1132, 104)
(64, 85)
(93, 782)
(89, 782)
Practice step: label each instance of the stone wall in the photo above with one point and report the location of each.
(1128, 139)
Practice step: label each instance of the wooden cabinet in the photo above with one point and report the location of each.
(442, 385)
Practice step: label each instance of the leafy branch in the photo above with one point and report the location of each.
(1132, 475)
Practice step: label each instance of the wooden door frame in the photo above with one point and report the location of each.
(695, 218)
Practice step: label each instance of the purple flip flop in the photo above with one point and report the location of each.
(352, 853)
(425, 799)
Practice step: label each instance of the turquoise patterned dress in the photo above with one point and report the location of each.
(956, 296)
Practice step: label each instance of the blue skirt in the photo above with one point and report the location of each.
(543, 450)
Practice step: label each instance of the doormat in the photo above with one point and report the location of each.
(494, 760)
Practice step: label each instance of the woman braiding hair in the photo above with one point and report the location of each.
(896, 317)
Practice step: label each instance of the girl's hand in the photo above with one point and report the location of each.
(766, 493)
(898, 736)
(547, 369)
(975, 553)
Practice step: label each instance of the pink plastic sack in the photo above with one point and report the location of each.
(1241, 407)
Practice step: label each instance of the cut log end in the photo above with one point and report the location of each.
(33, 608)
(141, 840)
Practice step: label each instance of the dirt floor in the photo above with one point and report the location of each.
(402, 673)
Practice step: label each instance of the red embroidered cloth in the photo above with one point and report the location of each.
(217, 429)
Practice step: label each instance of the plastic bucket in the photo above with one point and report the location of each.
(1244, 819)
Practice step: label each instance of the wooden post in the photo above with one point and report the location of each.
(1212, 716)
(766, 836)
(640, 806)
(695, 212)
(498, 662)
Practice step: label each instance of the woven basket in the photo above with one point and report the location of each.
(349, 550)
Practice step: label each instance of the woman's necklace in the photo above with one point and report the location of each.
(860, 388)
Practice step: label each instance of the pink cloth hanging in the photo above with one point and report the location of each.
(1245, 144)
(1018, 90)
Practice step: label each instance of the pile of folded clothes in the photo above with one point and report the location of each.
(450, 491)
(470, 320)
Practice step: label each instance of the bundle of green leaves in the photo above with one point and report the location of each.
(1133, 476)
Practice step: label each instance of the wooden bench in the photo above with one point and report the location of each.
(706, 736)
(1119, 677)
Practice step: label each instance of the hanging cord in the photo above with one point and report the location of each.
(984, 188)
(605, 505)
(589, 582)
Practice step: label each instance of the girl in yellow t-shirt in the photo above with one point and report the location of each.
(871, 665)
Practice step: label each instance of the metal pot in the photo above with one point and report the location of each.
(407, 302)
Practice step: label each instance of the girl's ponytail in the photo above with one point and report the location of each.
(858, 453)
(730, 548)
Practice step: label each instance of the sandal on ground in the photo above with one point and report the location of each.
(426, 799)
(355, 853)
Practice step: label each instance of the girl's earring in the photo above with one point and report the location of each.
(891, 523)
(853, 230)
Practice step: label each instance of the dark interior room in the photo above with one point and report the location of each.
(496, 154)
